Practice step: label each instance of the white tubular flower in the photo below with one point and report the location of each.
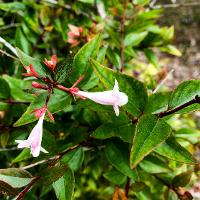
(34, 140)
(111, 97)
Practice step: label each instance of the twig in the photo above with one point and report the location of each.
(8, 45)
(7, 54)
(127, 186)
(27, 188)
(169, 112)
(175, 5)
(123, 20)
(56, 157)
(9, 149)
(12, 25)
(11, 101)
(163, 81)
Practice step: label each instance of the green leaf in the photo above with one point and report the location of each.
(64, 186)
(151, 56)
(182, 179)
(157, 103)
(136, 91)
(154, 165)
(118, 157)
(16, 172)
(171, 50)
(15, 182)
(58, 101)
(26, 60)
(50, 175)
(12, 7)
(123, 131)
(4, 89)
(134, 39)
(81, 64)
(185, 92)
(21, 41)
(150, 132)
(141, 2)
(173, 150)
(24, 155)
(74, 159)
(17, 88)
(114, 176)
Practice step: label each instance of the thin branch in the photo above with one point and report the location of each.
(9, 149)
(169, 112)
(11, 101)
(27, 188)
(122, 33)
(175, 5)
(8, 45)
(9, 55)
(12, 25)
(56, 157)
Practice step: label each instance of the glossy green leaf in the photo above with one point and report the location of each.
(27, 60)
(150, 132)
(185, 92)
(64, 186)
(136, 91)
(134, 39)
(81, 64)
(154, 165)
(173, 150)
(118, 157)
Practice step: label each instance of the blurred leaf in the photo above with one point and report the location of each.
(182, 179)
(173, 150)
(118, 157)
(58, 101)
(64, 186)
(4, 137)
(141, 2)
(45, 15)
(136, 91)
(151, 56)
(171, 50)
(134, 39)
(4, 89)
(114, 176)
(21, 42)
(113, 57)
(168, 33)
(16, 172)
(185, 92)
(119, 194)
(12, 7)
(150, 132)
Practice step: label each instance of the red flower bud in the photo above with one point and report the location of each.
(37, 85)
(51, 64)
(30, 71)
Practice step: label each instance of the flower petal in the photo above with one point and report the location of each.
(22, 143)
(43, 150)
(116, 109)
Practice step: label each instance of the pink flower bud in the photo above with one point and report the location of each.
(51, 64)
(37, 85)
(30, 71)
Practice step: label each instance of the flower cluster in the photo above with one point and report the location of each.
(112, 97)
